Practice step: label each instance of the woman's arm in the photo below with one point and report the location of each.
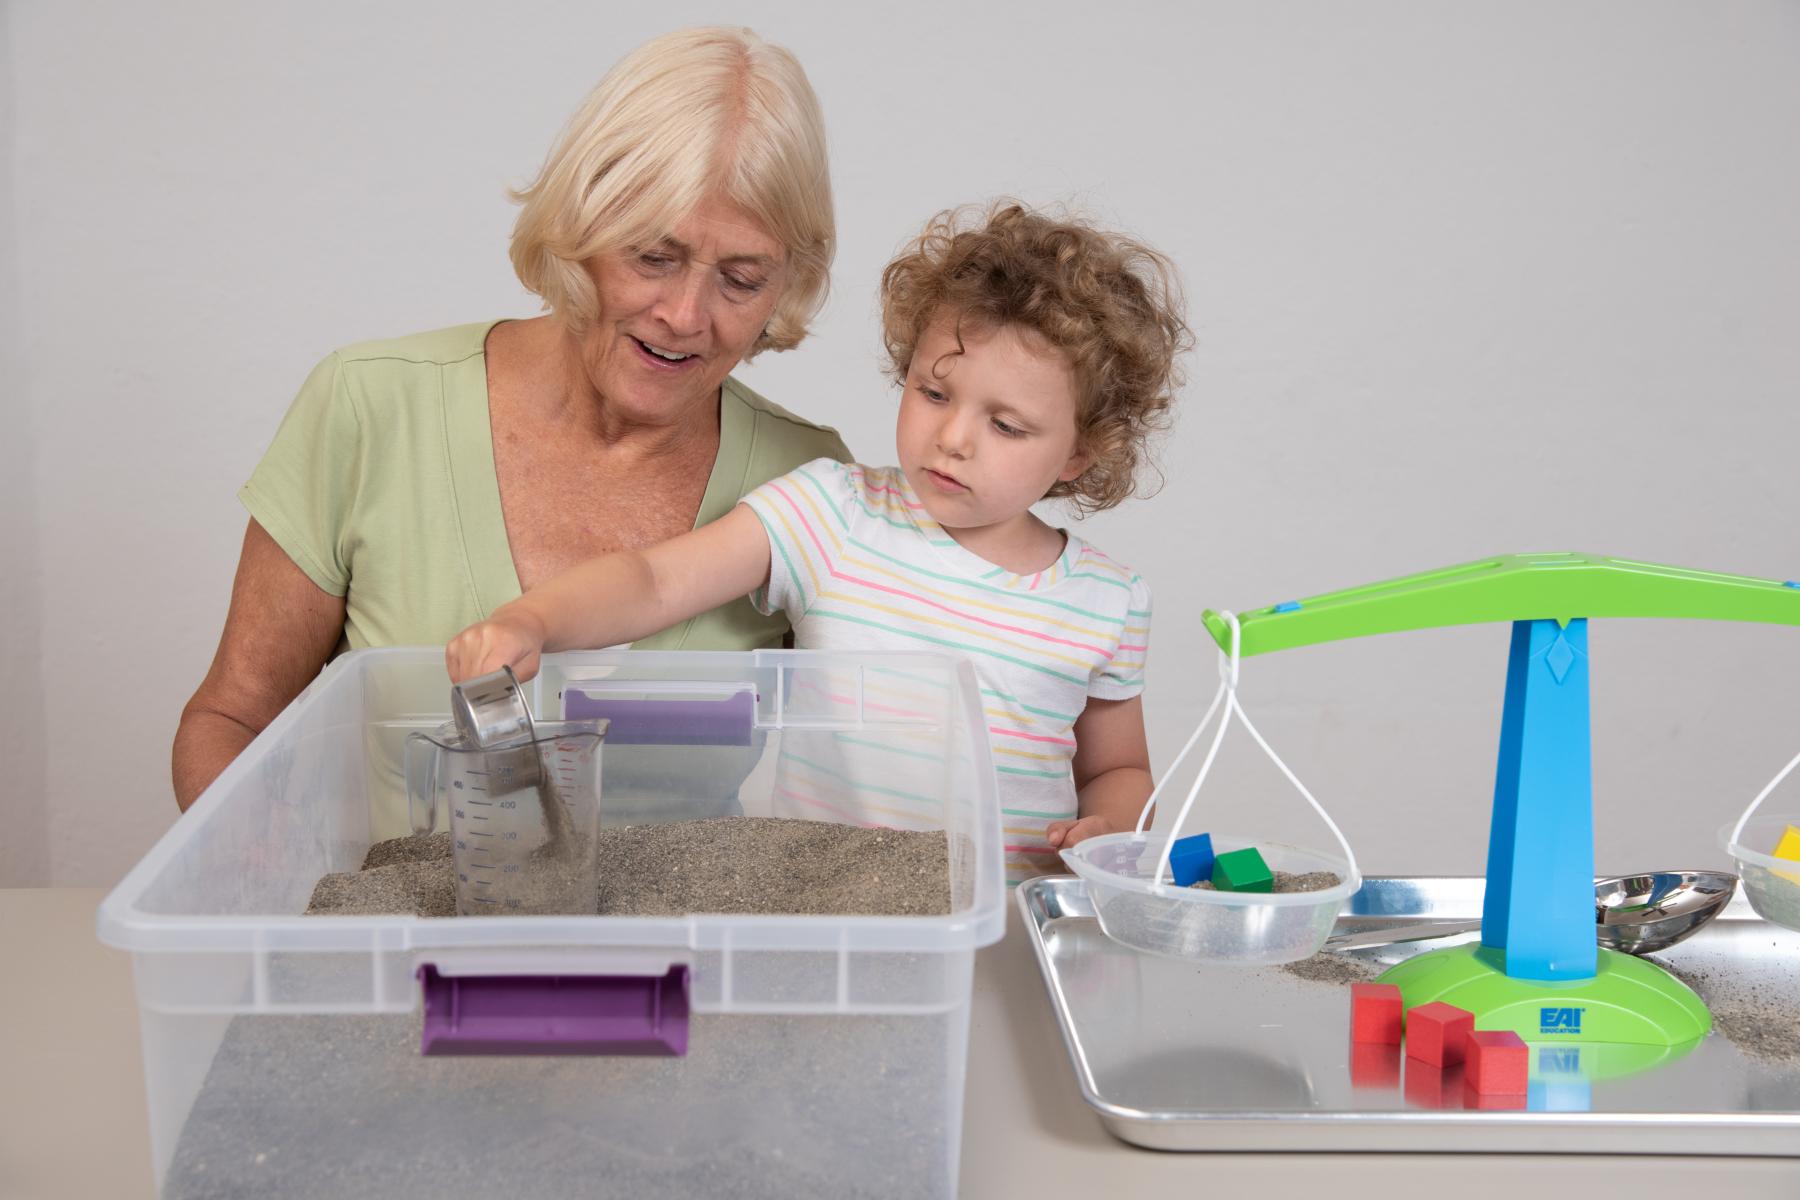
(280, 630)
(618, 597)
(1112, 771)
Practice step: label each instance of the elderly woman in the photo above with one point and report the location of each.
(682, 225)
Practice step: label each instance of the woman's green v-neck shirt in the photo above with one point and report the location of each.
(380, 486)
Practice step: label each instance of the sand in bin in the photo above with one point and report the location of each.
(764, 1105)
(773, 865)
(405, 875)
(767, 865)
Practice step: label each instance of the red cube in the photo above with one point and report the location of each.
(1375, 1013)
(1436, 1033)
(1497, 1062)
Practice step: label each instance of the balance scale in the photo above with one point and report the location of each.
(1537, 969)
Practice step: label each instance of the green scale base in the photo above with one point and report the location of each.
(1627, 1001)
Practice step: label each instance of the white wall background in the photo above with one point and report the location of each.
(1467, 279)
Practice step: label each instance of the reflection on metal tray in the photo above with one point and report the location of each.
(1176, 1056)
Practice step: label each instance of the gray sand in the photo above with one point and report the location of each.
(402, 885)
(1760, 1018)
(423, 848)
(1287, 881)
(764, 865)
(765, 1105)
(773, 865)
(1330, 967)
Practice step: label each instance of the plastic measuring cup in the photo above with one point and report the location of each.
(524, 820)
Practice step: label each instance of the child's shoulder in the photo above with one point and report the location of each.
(819, 475)
(852, 492)
(1088, 564)
(881, 493)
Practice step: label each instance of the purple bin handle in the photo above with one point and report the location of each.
(555, 1014)
(727, 722)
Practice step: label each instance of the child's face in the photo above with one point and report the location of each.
(984, 433)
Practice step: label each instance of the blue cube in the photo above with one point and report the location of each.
(1191, 859)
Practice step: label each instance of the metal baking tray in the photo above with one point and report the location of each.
(1179, 1056)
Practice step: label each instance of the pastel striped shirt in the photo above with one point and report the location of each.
(857, 564)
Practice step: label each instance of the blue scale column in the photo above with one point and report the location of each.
(1539, 908)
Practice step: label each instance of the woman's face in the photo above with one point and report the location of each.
(677, 316)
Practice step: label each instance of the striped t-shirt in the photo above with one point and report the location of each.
(857, 564)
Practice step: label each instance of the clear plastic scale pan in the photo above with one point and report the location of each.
(1224, 928)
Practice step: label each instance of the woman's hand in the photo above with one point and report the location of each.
(507, 639)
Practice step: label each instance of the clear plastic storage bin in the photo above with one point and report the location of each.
(825, 1054)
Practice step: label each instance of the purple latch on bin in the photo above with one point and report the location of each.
(727, 722)
(555, 1014)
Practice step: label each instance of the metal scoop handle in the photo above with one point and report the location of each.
(1393, 935)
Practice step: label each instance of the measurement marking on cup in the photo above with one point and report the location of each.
(478, 833)
(483, 803)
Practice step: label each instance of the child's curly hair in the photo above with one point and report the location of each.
(1111, 305)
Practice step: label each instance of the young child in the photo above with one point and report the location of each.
(1035, 357)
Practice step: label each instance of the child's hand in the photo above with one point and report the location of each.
(1061, 834)
(503, 640)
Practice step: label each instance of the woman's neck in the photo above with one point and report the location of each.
(548, 361)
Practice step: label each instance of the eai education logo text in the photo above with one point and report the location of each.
(1559, 1020)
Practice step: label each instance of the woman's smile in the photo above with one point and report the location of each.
(662, 359)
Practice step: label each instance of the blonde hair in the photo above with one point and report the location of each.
(684, 116)
(1110, 305)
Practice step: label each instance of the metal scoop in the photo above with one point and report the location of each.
(492, 714)
(1641, 914)
(1638, 914)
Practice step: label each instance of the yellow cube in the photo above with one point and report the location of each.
(1789, 847)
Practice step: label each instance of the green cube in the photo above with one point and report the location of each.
(1242, 871)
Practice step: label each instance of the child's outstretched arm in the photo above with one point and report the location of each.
(618, 597)
(1112, 771)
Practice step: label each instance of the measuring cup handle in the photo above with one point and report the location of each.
(422, 759)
